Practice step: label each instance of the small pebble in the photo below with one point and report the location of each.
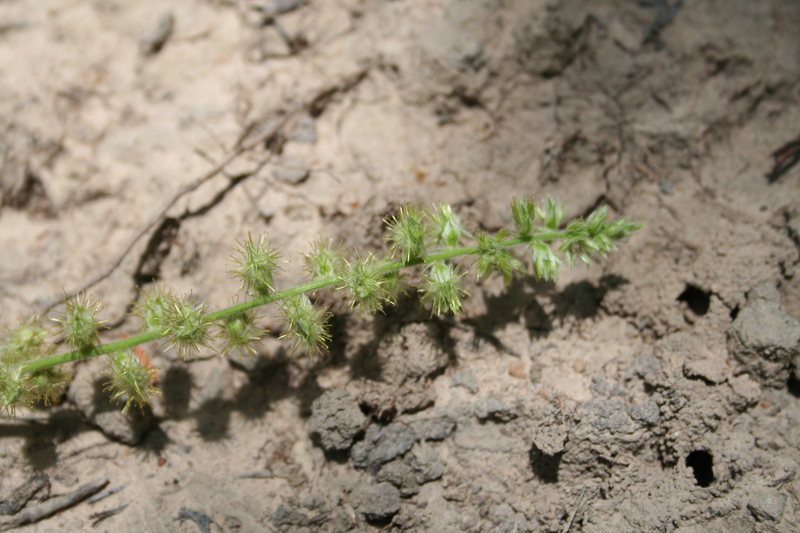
(767, 507)
(466, 379)
(155, 39)
(517, 369)
(379, 501)
(306, 132)
(293, 171)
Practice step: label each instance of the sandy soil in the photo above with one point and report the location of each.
(658, 390)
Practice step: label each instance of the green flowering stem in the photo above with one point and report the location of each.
(578, 239)
(92, 351)
(135, 340)
(322, 283)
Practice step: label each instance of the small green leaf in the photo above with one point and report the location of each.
(446, 228)
(546, 264)
(524, 212)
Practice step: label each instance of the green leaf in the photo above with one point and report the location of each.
(446, 228)
(552, 213)
(546, 264)
(524, 212)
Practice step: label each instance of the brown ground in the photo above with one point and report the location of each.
(647, 392)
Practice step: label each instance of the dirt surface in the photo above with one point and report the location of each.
(658, 390)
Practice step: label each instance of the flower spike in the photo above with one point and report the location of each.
(153, 307)
(24, 341)
(495, 256)
(131, 379)
(188, 326)
(443, 289)
(15, 390)
(257, 265)
(365, 283)
(306, 323)
(446, 227)
(524, 213)
(79, 322)
(430, 240)
(324, 260)
(240, 333)
(407, 233)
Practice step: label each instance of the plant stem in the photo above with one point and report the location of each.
(328, 281)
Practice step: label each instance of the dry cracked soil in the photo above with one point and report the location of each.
(657, 390)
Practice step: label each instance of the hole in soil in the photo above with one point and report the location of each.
(734, 312)
(702, 463)
(793, 385)
(697, 299)
(545, 466)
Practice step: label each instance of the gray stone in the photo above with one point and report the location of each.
(506, 520)
(266, 209)
(647, 413)
(285, 515)
(293, 171)
(156, 37)
(469, 57)
(647, 367)
(277, 7)
(608, 416)
(382, 444)
(336, 420)
(764, 338)
(401, 475)
(426, 463)
(465, 378)
(305, 132)
(377, 502)
(766, 506)
(493, 408)
(438, 428)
